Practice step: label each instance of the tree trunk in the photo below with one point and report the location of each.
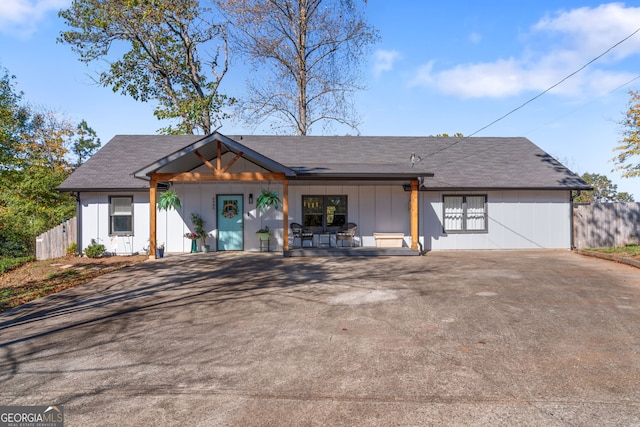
(302, 69)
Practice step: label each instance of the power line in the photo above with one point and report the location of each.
(583, 105)
(540, 94)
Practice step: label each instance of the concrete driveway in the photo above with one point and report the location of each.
(528, 338)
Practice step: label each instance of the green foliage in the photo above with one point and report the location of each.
(72, 249)
(628, 158)
(630, 250)
(94, 250)
(169, 200)
(268, 198)
(603, 190)
(34, 150)
(198, 225)
(265, 231)
(170, 51)
(8, 264)
(86, 144)
(11, 117)
(455, 135)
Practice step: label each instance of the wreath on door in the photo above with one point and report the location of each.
(230, 208)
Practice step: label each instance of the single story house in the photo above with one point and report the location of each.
(438, 192)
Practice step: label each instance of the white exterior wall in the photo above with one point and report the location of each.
(94, 217)
(517, 219)
(373, 208)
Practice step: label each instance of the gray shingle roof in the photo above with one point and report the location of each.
(112, 167)
(465, 163)
(457, 163)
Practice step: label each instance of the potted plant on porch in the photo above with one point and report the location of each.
(264, 233)
(266, 199)
(198, 225)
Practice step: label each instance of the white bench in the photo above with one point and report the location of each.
(389, 240)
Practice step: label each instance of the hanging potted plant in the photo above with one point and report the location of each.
(169, 200)
(266, 199)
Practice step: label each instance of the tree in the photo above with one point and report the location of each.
(310, 51)
(628, 158)
(35, 149)
(177, 55)
(11, 117)
(603, 190)
(86, 144)
(455, 135)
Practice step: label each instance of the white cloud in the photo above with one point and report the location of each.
(21, 17)
(384, 61)
(571, 39)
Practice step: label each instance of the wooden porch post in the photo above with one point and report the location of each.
(153, 187)
(285, 215)
(414, 215)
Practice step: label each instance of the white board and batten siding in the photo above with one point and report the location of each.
(382, 208)
(95, 222)
(516, 219)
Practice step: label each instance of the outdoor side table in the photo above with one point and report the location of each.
(324, 239)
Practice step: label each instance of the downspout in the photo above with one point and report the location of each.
(571, 221)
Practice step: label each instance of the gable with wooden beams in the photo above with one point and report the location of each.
(179, 167)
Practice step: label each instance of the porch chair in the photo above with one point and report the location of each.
(346, 232)
(299, 232)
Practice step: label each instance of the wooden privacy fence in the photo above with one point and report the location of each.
(599, 225)
(54, 243)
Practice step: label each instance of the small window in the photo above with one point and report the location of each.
(121, 215)
(324, 213)
(465, 214)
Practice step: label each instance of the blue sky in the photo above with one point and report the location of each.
(441, 67)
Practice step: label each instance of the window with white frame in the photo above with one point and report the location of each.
(121, 215)
(465, 213)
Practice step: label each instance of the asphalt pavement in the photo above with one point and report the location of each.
(482, 338)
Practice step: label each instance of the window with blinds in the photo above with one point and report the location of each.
(465, 213)
(121, 215)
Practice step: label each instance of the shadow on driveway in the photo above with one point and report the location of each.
(482, 338)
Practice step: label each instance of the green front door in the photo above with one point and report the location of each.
(230, 223)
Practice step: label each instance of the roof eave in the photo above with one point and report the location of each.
(518, 188)
(362, 176)
(102, 189)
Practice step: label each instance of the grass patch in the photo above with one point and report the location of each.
(63, 274)
(626, 251)
(8, 264)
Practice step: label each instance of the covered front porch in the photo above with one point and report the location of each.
(217, 163)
